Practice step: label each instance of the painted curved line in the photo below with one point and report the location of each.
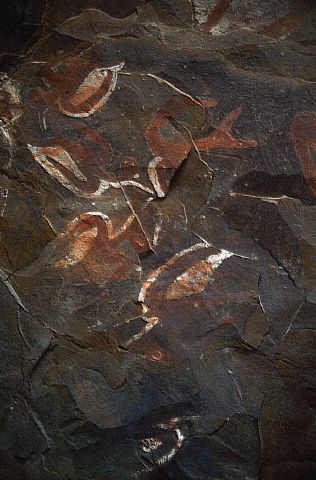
(215, 261)
(168, 456)
(42, 156)
(105, 185)
(153, 176)
(174, 149)
(112, 235)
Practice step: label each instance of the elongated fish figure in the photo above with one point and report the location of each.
(92, 93)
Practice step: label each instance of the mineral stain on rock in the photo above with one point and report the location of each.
(158, 240)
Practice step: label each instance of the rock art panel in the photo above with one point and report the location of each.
(157, 240)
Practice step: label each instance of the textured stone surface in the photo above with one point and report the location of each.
(158, 240)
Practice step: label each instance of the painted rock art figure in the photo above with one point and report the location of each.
(79, 166)
(93, 93)
(83, 260)
(170, 140)
(157, 240)
(85, 168)
(92, 244)
(169, 136)
(222, 136)
(77, 90)
(200, 281)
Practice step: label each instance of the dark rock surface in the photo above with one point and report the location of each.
(158, 240)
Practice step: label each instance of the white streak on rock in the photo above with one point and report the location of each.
(157, 231)
(274, 200)
(176, 89)
(166, 458)
(38, 423)
(151, 322)
(112, 234)
(165, 82)
(218, 258)
(3, 194)
(215, 260)
(7, 137)
(105, 185)
(153, 176)
(196, 278)
(7, 283)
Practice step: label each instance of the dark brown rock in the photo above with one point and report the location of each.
(158, 240)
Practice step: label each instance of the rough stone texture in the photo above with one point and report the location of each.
(158, 240)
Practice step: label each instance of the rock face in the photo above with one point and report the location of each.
(158, 240)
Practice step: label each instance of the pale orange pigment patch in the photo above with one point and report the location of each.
(193, 281)
(90, 96)
(61, 156)
(115, 234)
(79, 88)
(80, 236)
(87, 248)
(79, 248)
(91, 84)
(77, 166)
(152, 278)
(207, 102)
(157, 355)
